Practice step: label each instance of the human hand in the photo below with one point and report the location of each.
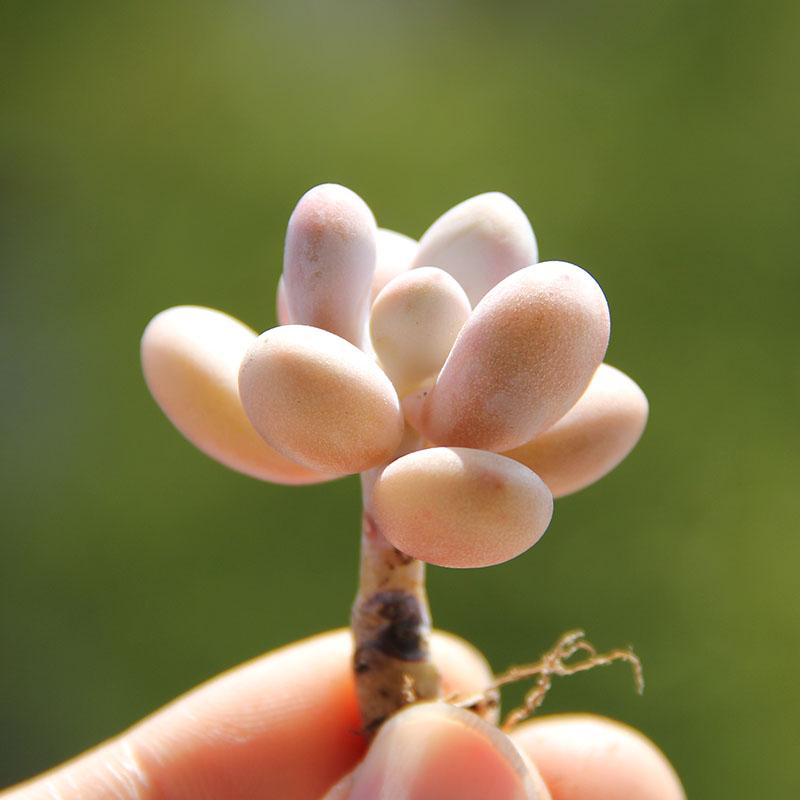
(286, 727)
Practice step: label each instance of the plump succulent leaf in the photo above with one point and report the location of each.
(190, 358)
(522, 360)
(592, 437)
(479, 242)
(458, 507)
(329, 261)
(320, 400)
(414, 321)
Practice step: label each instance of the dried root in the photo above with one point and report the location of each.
(556, 662)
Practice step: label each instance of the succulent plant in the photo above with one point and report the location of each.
(461, 378)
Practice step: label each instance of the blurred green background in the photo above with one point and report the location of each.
(150, 154)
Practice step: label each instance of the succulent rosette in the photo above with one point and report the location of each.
(466, 379)
(461, 378)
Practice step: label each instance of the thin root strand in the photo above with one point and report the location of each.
(555, 662)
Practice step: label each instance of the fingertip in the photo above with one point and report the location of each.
(587, 757)
(438, 750)
(464, 668)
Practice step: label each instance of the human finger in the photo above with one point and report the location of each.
(436, 750)
(283, 726)
(586, 757)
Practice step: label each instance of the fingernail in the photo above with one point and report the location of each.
(436, 751)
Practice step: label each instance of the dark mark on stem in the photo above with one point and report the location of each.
(396, 619)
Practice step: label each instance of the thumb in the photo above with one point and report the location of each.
(437, 751)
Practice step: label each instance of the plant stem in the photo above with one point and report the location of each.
(391, 625)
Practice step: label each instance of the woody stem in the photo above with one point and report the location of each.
(391, 625)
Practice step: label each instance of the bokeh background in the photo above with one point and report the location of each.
(150, 154)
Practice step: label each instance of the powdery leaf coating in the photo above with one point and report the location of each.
(592, 437)
(479, 242)
(393, 256)
(457, 507)
(414, 322)
(319, 400)
(329, 261)
(583, 757)
(190, 358)
(522, 360)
